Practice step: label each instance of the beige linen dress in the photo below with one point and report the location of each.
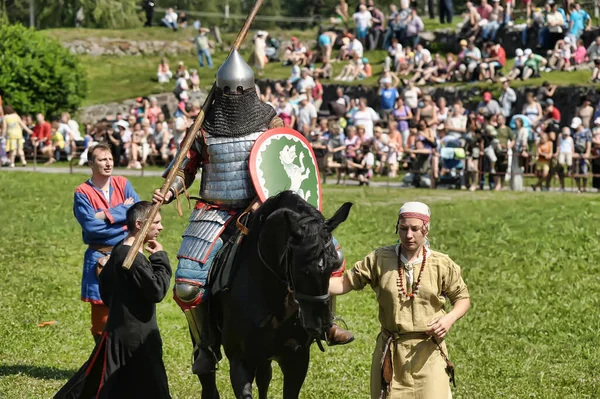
(419, 369)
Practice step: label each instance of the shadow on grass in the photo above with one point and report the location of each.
(44, 373)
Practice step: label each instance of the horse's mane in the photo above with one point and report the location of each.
(309, 244)
(285, 199)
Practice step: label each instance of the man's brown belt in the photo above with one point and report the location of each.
(103, 249)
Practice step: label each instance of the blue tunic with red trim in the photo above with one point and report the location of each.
(89, 200)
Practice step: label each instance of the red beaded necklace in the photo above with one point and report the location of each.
(400, 280)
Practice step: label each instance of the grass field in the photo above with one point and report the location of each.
(530, 260)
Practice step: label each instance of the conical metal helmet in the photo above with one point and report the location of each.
(235, 73)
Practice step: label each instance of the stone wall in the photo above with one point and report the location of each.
(167, 101)
(121, 47)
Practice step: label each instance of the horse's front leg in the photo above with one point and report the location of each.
(294, 369)
(264, 374)
(241, 376)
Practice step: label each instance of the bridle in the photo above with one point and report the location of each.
(288, 281)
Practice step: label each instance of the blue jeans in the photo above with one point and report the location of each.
(205, 54)
(490, 30)
(172, 25)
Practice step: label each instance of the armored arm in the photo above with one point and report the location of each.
(186, 173)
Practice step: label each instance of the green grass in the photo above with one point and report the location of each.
(113, 78)
(530, 261)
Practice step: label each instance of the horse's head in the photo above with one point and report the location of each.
(303, 255)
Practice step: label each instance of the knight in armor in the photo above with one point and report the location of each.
(233, 123)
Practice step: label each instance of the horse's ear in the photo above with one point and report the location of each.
(340, 216)
(286, 217)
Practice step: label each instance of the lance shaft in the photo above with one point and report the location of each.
(186, 144)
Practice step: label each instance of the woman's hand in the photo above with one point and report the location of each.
(439, 327)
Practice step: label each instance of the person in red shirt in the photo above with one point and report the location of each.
(551, 111)
(493, 63)
(42, 133)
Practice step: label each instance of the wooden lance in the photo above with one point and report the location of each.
(186, 144)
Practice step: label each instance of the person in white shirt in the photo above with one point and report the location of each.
(411, 96)
(364, 20)
(307, 116)
(365, 116)
(356, 47)
(566, 148)
(306, 82)
(395, 53)
(170, 19)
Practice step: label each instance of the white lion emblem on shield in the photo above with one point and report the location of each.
(297, 174)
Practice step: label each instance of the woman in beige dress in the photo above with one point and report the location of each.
(411, 283)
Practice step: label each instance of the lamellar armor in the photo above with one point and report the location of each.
(235, 120)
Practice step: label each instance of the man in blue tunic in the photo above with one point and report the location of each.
(100, 206)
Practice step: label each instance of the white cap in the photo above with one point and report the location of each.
(528, 51)
(597, 121)
(519, 52)
(184, 96)
(123, 124)
(576, 122)
(386, 80)
(302, 97)
(567, 40)
(416, 210)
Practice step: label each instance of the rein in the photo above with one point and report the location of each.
(288, 281)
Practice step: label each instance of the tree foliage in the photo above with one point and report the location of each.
(37, 74)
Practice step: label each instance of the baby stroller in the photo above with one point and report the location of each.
(452, 157)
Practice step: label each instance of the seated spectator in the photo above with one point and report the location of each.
(182, 20)
(182, 71)
(414, 26)
(395, 54)
(58, 143)
(560, 58)
(362, 165)
(160, 142)
(470, 26)
(533, 64)
(351, 70)
(593, 51)
(272, 49)
(294, 53)
(326, 70)
(366, 71)
(170, 19)
(580, 54)
(493, 62)
(532, 109)
(427, 113)
(164, 73)
(195, 80)
(596, 71)
(472, 58)
(496, 20)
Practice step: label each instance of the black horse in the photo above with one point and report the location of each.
(277, 304)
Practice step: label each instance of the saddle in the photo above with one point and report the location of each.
(223, 269)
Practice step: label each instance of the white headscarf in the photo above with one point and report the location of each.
(417, 210)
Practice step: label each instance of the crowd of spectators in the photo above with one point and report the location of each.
(434, 141)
